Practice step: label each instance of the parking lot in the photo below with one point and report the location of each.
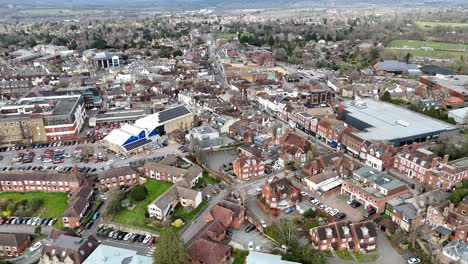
(142, 243)
(216, 159)
(241, 237)
(338, 201)
(8, 158)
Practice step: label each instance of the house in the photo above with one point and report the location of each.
(118, 177)
(68, 249)
(12, 245)
(416, 163)
(331, 130)
(246, 167)
(280, 193)
(38, 181)
(164, 205)
(450, 218)
(455, 251)
(373, 188)
(205, 251)
(229, 213)
(78, 203)
(344, 235)
(323, 181)
(169, 170)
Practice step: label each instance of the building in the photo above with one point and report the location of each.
(460, 116)
(68, 249)
(131, 138)
(38, 181)
(170, 169)
(107, 60)
(323, 182)
(454, 220)
(280, 193)
(455, 85)
(62, 117)
(434, 70)
(247, 167)
(228, 213)
(13, 245)
(416, 163)
(118, 177)
(396, 67)
(381, 121)
(255, 257)
(21, 129)
(107, 254)
(344, 235)
(455, 252)
(373, 188)
(78, 203)
(163, 206)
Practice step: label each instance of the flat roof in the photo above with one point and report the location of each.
(384, 121)
(458, 83)
(108, 254)
(379, 178)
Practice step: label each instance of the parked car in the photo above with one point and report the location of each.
(147, 238)
(52, 222)
(303, 193)
(35, 247)
(150, 241)
(369, 212)
(127, 236)
(355, 204)
(263, 223)
(289, 210)
(350, 201)
(251, 246)
(250, 228)
(340, 216)
(96, 216)
(413, 261)
(89, 224)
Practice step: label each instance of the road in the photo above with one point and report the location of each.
(199, 221)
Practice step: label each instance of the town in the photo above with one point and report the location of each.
(216, 136)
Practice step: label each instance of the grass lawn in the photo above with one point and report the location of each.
(54, 203)
(239, 256)
(187, 214)
(206, 179)
(440, 49)
(229, 36)
(400, 43)
(344, 254)
(366, 257)
(430, 25)
(136, 217)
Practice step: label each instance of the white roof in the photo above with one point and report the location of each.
(148, 122)
(118, 137)
(131, 129)
(104, 254)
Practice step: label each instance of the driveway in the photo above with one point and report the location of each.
(338, 201)
(242, 238)
(215, 160)
(387, 254)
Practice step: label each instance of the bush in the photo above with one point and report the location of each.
(309, 214)
(138, 193)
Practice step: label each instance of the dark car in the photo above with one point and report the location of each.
(134, 238)
(340, 216)
(8, 221)
(250, 228)
(355, 204)
(89, 224)
(229, 232)
(121, 235)
(141, 238)
(369, 212)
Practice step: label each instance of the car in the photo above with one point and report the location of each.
(263, 223)
(2, 221)
(44, 221)
(147, 238)
(259, 189)
(110, 162)
(89, 225)
(116, 234)
(315, 202)
(102, 197)
(369, 212)
(52, 222)
(250, 228)
(150, 241)
(57, 161)
(96, 216)
(251, 246)
(322, 207)
(111, 234)
(127, 236)
(303, 193)
(289, 210)
(35, 247)
(350, 201)
(135, 237)
(340, 216)
(355, 204)
(141, 238)
(333, 212)
(258, 248)
(413, 261)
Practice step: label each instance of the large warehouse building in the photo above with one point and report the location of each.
(133, 137)
(378, 120)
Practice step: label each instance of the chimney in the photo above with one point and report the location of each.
(435, 160)
(340, 112)
(329, 232)
(446, 211)
(446, 158)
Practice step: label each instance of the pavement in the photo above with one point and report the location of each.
(240, 237)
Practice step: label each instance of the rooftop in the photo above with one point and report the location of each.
(458, 83)
(104, 254)
(384, 121)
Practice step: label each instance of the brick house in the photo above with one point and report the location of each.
(12, 245)
(38, 181)
(416, 163)
(229, 213)
(373, 188)
(68, 248)
(344, 235)
(166, 170)
(78, 203)
(280, 193)
(246, 167)
(331, 129)
(455, 219)
(118, 177)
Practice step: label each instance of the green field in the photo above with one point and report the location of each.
(430, 25)
(136, 217)
(229, 36)
(415, 47)
(54, 203)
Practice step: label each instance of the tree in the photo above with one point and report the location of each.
(37, 230)
(177, 53)
(312, 153)
(303, 253)
(36, 203)
(138, 193)
(170, 249)
(98, 44)
(386, 97)
(114, 205)
(283, 231)
(408, 57)
(12, 207)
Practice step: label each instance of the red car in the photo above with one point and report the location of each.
(57, 161)
(150, 242)
(2, 221)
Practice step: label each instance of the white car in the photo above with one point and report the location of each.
(303, 193)
(30, 221)
(251, 246)
(111, 234)
(36, 246)
(147, 238)
(127, 236)
(39, 157)
(52, 222)
(333, 212)
(47, 160)
(413, 261)
(315, 202)
(110, 162)
(102, 197)
(67, 155)
(59, 168)
(349, 201)
(258, 248)
(263, 223)
(259, 189)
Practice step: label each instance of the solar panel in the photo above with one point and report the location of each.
(173, 113)
(137, 144)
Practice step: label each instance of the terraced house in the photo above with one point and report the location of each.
(40, 182)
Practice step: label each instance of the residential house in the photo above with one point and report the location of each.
(168, 170)
(453, 219)
(373, 188)
(38, 181)
(118, 177)
(455, 252)
(78, 203)
(331, 130)
(246, 167)
(68, 249)
(229, 213)
(163, 206)
(280, 193)
(12, 245)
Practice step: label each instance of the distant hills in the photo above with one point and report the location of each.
(223, 4)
